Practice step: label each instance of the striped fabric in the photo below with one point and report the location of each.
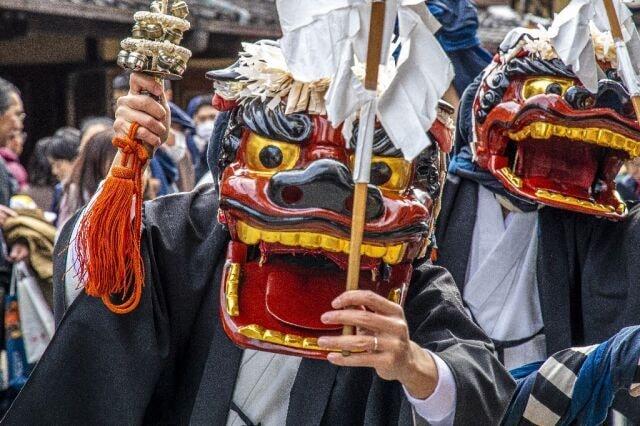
(577, 384)
(554, 385)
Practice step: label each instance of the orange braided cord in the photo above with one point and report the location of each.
(108, 241)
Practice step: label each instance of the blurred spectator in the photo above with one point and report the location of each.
(151, 186)
(628, 183)
(201, 109)
(165, 172)
(61, 153)
(30, 297)
(11, 110)
(30, 238)
(69, 133)
(90, 168)
(120, 87)
(41, 180)
(11, 121)
(10, 151)
(175, 149)
(91, 126)
(204, 116)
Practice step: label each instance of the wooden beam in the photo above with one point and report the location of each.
(202, 18)
(74, 10)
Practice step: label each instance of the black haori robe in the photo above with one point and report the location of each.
(588, 270)
(170, 362)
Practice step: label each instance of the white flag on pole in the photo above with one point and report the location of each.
(328, 39)
(571, 36)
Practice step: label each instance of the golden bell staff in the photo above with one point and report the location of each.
(109, 232)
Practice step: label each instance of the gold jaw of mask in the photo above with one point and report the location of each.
(257, 332)
(552, 196)
(392, 254)
(591, 135)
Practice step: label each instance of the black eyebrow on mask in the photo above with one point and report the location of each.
(382, 144)
(273, 123)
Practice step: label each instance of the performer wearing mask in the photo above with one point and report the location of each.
(532, 229)
(263, 266)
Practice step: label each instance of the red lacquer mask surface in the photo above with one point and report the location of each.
(548, 139)
(285, 191)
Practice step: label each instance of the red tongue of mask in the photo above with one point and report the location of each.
(314, 287)
(289, 297)
(313, 293)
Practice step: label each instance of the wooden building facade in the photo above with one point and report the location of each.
(61, 53)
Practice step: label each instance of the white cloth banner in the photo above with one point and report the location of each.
(315, 34)
(570, 36)
(324, 40)
(408, 107)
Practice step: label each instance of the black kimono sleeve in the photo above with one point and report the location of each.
(103, 368)
(438, 322)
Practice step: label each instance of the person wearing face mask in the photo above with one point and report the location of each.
(204, 116)
(174, 167)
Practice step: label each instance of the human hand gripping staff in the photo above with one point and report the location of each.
(108, 242)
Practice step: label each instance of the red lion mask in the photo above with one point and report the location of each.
(285, 190)
(548, 139)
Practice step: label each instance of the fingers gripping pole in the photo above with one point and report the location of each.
(374, 53)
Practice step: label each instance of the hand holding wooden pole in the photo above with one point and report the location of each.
(374, 53)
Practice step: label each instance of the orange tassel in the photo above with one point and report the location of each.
(108, 241)
(434, 255)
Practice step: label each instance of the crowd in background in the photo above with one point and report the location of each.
(62, 175)
(66, 168)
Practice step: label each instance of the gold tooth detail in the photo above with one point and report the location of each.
(544, 194)
(231, 289)
(391, 254)
(592, 135)
(539, 130)
(252, 331)
(559, 131)
(395, 295)
(257, 332)
(511, 177)
(604, 137)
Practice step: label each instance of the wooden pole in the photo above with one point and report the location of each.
(616, 33)
(374, 53)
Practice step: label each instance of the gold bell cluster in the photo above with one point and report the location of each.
(154, 46)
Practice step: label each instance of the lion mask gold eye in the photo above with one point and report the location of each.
(546, 85)
(269, 156)
(390, 173)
